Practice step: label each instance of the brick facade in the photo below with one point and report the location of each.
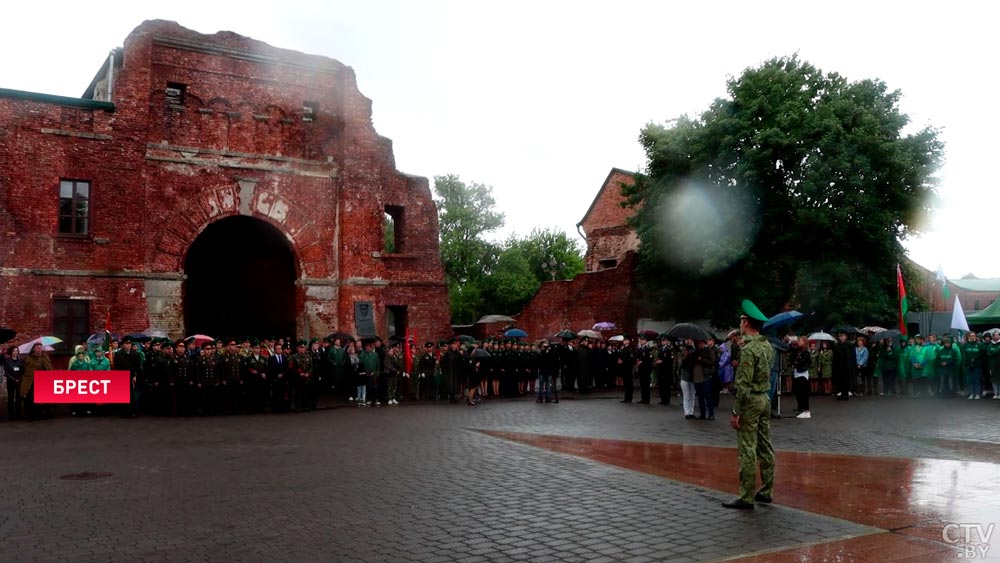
(605, 226)
(606, 291)
(276, 135)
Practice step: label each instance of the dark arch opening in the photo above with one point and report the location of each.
(240, 281)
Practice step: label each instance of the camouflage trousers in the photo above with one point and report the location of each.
(754, 445)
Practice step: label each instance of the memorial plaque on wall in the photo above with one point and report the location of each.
(364, 318)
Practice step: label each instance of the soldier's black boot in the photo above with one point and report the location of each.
(739, 503)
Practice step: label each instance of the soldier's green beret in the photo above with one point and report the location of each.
(127, 339)
(301, 343)
(313, 341)
(751, 310)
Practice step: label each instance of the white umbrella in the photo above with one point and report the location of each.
(45, 341)
(589, 334)
(619, 338)
(822, 336)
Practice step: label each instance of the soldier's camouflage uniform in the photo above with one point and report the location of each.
(752, 405)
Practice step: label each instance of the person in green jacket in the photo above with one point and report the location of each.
(947, 363)
(826, 368)
(905, 367)
(974, 356)
(79, 362)
(931, 349)
(993, 355)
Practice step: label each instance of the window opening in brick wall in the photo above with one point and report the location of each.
(310, 111)
(175, 93)
(74, 207)
(607, 263)
(396, 317)
(70, 322)
(392, 229)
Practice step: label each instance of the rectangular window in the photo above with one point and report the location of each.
(392, 229)
(606, 263)
(175, 93)
(396, 317)
(310, 111)
(70, 322)
(74, 207)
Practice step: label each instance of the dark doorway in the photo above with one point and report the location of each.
(396, 317)
(240, 281)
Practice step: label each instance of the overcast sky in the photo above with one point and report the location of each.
(541, 99)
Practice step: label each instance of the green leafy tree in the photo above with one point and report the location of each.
(794, 190)
(550, 254)
(466, 216)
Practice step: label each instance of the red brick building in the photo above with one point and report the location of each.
(606, 291)
(211, 183)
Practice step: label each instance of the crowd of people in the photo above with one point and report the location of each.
(183, 378)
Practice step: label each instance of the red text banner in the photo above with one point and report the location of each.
(63, 386)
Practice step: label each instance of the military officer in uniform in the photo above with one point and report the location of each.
(182, 384)
(231, 366)
(302, 366)
(752, 410)
(207, 380)
(255, 379)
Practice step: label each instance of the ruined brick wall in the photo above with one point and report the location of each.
(263, 132)
(589, 298)
(605, 223)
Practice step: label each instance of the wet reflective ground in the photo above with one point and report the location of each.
(589, 479)
(919, 503)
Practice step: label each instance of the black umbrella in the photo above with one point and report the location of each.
(466, 339)
(480, 353)
(566, 334)
(886, 334)
(7, 334)
(846, 329)
(343, 336)
(682, 331)
(138, 337)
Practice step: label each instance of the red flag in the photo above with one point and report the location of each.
(408, 353)
(107, 321)
(903, 304)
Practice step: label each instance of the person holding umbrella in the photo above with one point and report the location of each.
(751, 412)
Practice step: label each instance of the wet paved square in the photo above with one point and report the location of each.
(429, 482)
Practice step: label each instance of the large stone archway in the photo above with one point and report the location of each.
(240, 280)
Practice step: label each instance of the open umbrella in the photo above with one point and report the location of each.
(45, 341)
(156, 333)
(198, 340)
(822, 336)
(138, 337)
(618, 338)
(782, 319)
(683, 331)
(343, 336)
(649, 334)
(887, 334)
(515, 333)
(590, 334)
(869, 330)
(565, 334)
(466, 339)
(496, 319)
(604, 325)
(7, 334)
(846, 329)
(480, 353)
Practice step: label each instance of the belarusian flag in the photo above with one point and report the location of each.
(903, 305)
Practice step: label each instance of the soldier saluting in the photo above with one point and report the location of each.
(752, 411)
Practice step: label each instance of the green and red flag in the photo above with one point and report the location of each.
(903, 304)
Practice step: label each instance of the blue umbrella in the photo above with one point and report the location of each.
(782, 319)
(515, 333)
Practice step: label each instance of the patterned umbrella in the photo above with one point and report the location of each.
(45, 341)
(604, 326)
(869, 330)
(198, 340)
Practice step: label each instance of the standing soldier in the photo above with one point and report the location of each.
(626, 367)
(394, 370)
(182, 381)
(644, 366)
(337, 356)
(255, 379)
(207, 380)
(302, 367)
(368, 371)
(751, 411)
(128, 359)
(232, 378)
(424, 381)
(451, 370)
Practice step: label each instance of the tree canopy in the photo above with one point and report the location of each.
(794, 190)
(486, 277)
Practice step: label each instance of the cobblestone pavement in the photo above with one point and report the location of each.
(418, 483)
